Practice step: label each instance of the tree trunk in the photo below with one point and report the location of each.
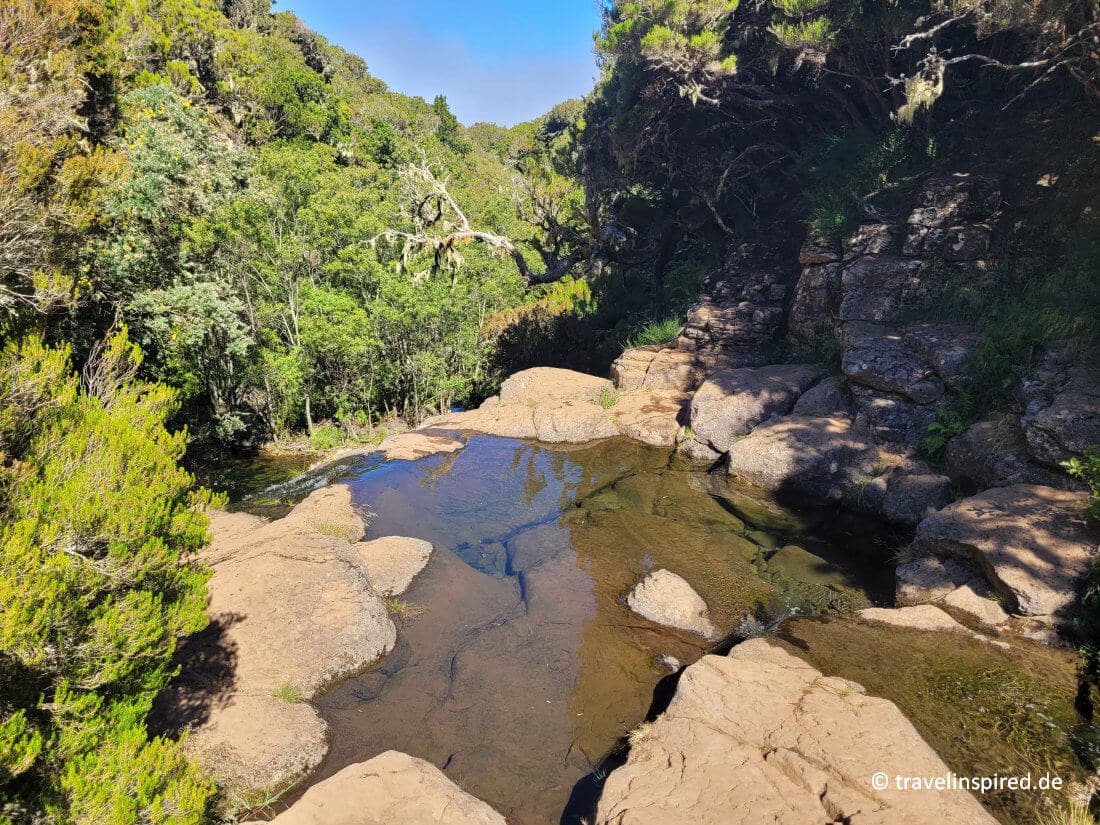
(669, 241)
(309, 416)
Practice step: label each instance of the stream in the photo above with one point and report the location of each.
(519, 670)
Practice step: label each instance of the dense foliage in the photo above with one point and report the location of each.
(713, 118)
(217, 177)
(97, 582)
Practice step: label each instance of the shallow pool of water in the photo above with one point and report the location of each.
(519, 668)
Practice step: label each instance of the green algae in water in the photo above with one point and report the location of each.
(984, 710)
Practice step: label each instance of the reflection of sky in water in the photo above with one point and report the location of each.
(486, 492)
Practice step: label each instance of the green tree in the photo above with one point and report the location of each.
(449, 131)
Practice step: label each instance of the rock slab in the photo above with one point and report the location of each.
(761, 736)
(292, 610)
(390, 789)
(1032, 542)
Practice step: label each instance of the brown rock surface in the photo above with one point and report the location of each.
(390, 789)
(392, 562)
(653, 416)
(731, 402)
(662, 368)
(292, 611)
(761, 736)
(1032, 542)
(541, 385)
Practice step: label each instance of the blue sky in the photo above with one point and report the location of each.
(497, 60)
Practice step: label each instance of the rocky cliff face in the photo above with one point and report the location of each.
(853, 438)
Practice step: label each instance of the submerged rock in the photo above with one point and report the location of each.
(1032, 542)
(975, 600)
(762, 736)
(928, 579)
(665, 598)
(918, 617)
(390, 789)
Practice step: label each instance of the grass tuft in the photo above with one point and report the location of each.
(655, 333)
(402, 610)
(288, 692)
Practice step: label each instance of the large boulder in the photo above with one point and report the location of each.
(912, 496)
(1032, 542)
(821, 459)
(993, 453)
(662, 368)
(667, 599)
(761, 736)
(882, 358)
(653, 416)
(541, 385)
(875, 287)
(390, 789)
(1062, 418)
(730, 403)
(292, 610)
(491, 418)
(574, 423)
(559, 407)
(828, 397)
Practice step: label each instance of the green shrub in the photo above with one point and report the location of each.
(1087, 468)
(98, 579)
(843, 168)
(608, 398)
(327, 437)
(949, 423)
(288, 692)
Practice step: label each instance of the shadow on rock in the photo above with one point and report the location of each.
(206, 681)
